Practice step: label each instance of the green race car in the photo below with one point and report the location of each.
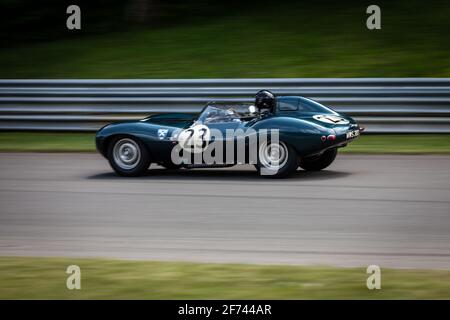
(276, 134)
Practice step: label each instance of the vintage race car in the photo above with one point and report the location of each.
(297, 132)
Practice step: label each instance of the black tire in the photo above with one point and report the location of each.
(137, 165)
(317, 163)
(286, 169)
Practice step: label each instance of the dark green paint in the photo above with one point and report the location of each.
(297, 128)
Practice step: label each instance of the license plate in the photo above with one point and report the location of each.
(352, 134)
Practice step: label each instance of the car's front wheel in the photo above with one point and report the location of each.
(128, 156)
(320, 162)
(276, 160)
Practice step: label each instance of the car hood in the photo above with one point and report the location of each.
(179, 120)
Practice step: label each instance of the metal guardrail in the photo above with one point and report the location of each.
(383, 105)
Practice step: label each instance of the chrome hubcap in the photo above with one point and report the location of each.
(273, 156)
(126, 153)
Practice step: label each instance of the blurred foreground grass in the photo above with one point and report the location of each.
(84, 142)
(45, 278)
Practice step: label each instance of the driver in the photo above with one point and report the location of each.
(265, 101)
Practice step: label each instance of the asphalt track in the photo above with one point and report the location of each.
(393, 211)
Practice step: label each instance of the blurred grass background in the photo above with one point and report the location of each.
(45, 278)
(85, 142)
(224, 39)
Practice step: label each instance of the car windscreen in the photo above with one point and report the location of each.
(226, 113)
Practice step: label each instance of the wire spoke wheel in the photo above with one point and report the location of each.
(273, 156)
(276, 160)
(126, 153)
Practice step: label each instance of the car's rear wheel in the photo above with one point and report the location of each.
(128, 156)
(276, 160)
(320, 162)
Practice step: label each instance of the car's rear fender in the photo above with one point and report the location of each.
(303, 135)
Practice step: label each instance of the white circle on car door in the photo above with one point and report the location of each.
(330, 118)
(194, 139)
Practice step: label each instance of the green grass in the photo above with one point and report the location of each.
(299, 39)
(47, 142)
(84, 142)
(400, 144)
(45, 278)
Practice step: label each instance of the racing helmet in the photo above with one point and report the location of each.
(265, 99)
